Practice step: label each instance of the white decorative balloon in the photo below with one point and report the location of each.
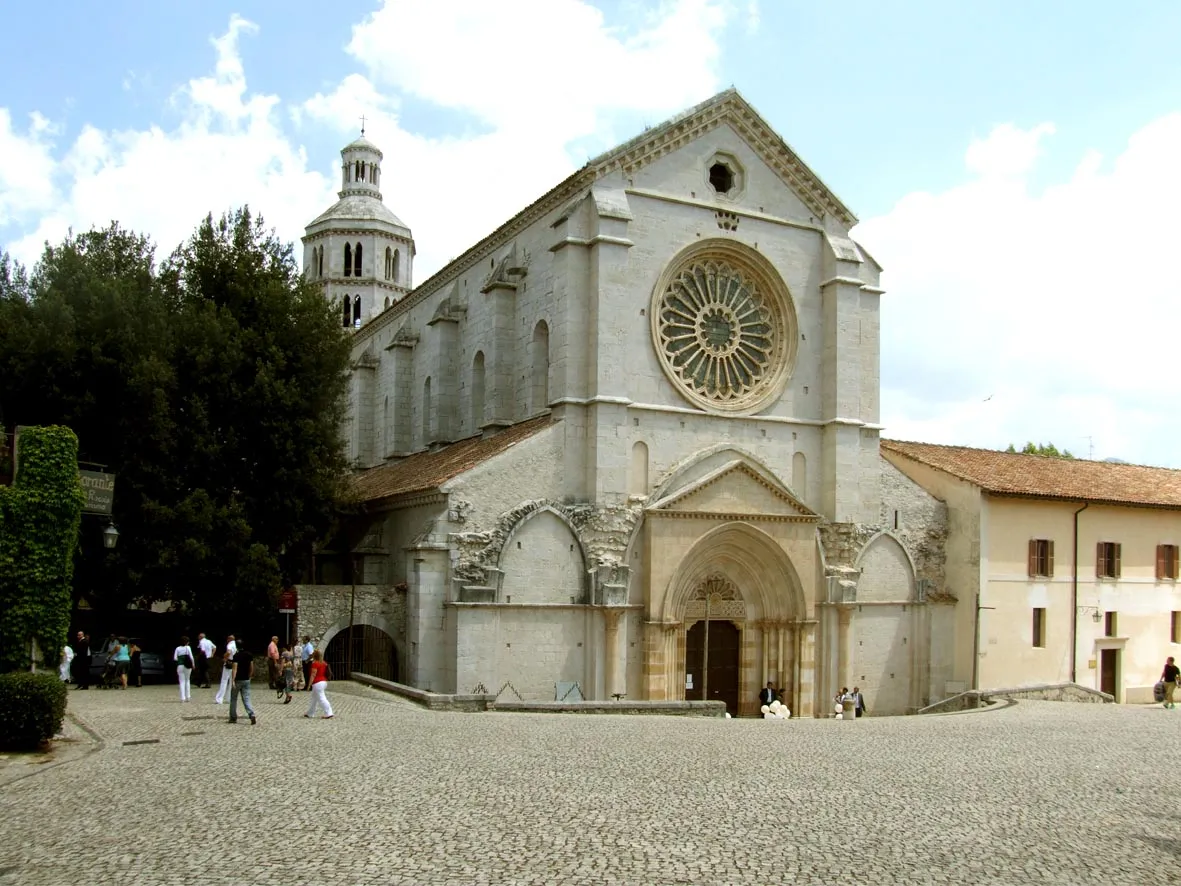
(776, 705)
(728, 717)
(769, 716)
(839, 707)
(840, 716)
(764, 709)
(786, 714)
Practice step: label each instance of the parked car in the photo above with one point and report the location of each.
(156, 665)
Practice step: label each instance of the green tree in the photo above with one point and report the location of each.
(1046, 449)
(213, 388)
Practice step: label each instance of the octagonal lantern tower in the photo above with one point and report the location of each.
(358, 250)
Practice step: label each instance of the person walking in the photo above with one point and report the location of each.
(205, 650)
(305, 655)
(227, 659)
(241, 671)
(121, 656)
(183, 656)
(273, 664)
(80, 666)
(320, 675)
(1169, 677)
(63, 670)
(859, 707)
(136, 669)
(288, 677)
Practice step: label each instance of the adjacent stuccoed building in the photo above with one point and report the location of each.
(630, 441)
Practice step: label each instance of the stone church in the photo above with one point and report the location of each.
(627, 444)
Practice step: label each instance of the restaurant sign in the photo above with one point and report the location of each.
(100, 492)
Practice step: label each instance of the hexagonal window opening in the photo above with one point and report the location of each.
(721, 177)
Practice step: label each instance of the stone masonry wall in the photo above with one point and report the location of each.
(921, 528)
(324, 609)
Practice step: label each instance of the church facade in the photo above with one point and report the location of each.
(628, 444)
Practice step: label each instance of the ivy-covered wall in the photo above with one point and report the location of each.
(39, 517)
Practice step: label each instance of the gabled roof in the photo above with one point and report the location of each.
(1039, 476)
(427, 471)
(727, 107)
(778, 493)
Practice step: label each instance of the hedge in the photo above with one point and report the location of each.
(32, 706)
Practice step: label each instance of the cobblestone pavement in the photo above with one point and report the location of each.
(385, 793)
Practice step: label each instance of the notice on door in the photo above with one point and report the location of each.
(688, 681)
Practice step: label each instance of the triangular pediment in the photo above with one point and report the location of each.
(728, 108)
(736, 489)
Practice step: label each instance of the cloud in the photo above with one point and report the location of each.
(26, 188)
(1060, 304)
(227, 151)
(524, 106)
(519, 91)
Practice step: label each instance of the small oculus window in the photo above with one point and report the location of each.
(721, 178)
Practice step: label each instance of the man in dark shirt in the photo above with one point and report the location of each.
(243, 670)
(81, 663)
(1169, 678)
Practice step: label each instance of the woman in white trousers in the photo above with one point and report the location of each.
(319, 674)
(183, 656)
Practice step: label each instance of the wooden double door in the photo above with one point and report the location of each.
(713, 658)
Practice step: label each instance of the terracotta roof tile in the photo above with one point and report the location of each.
(426, 471)
(1039, 476)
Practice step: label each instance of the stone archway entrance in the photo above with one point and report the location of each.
(713, 643)
(364, 648)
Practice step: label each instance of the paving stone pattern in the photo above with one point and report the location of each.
(387, 793)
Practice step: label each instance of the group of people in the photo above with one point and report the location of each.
(845, 697)
(284, 677)
(123, 666)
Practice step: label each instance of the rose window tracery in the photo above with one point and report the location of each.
(721, 331)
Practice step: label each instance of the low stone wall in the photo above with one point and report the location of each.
(666, 708)
(435, 701)
(977, 698)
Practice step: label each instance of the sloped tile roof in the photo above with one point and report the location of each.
(1039, 476)
(426, 471)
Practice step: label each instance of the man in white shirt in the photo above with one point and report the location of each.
(305, 655)
(226, 669)
(205, 650)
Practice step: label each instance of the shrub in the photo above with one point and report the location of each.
(31, 709)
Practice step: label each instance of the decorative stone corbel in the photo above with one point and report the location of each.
(610, 584)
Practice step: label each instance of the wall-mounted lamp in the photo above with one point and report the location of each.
(1096, 613)
(110, 537)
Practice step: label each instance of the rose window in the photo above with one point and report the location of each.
(719, 332)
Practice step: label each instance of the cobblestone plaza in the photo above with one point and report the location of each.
(386, 793)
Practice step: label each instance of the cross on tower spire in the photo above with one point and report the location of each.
(362, 124)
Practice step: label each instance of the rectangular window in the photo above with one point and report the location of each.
(1110, 624)
(1039, 627)
(1107, 557)
(1041, 558)
(1166, 562)
(1175, 628)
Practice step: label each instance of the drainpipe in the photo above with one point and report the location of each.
(1074, 601)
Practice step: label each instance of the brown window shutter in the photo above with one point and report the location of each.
(1050, 558)
(1161, 551)
(1099, 570)
(1174, 551)
(1115, 566)
(1032, 557)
